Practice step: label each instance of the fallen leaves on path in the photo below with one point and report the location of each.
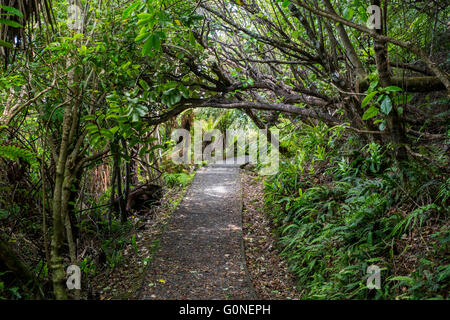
(125, 281)
(269, 273)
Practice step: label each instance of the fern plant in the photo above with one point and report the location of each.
(14, 153)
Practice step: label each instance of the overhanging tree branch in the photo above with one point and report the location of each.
(443, 77)
(219, 103)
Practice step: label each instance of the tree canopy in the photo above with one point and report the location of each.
(87, 83)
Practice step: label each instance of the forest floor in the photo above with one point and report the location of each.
(268, 271)
(124, 280)
(216, 243)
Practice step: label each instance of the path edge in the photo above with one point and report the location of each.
(147, 267)
(242, 243)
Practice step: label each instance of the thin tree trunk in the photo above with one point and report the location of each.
(350, 50)
(68, 180)
(393, 123)
(127, 176)
(58, 274)
(111, 198)
(122, 204)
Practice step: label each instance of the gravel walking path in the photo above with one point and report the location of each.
(201, 253)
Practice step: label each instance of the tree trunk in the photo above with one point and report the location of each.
(58, 274)
(394, 125)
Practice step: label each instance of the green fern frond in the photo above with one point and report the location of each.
(15, 153)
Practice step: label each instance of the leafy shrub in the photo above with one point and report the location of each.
(331, 232)
(14, 153)
(177, 179)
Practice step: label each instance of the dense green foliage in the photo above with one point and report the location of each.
(339, 209)
(87, 110)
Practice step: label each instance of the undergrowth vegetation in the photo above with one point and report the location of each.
(177, 179)
(93, 95)
(338, 209)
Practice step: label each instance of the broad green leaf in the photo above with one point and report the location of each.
(143, 35)
(95, 139)
(373, 85)
(92, 128)
(10, 23)
(286, 3)
(176, 98)
(156, 41)
(192, 40)
(112, 116)
(393, 89)
(381, 98)
(107, 133)
(142, 110)
(89, 117)
(348, 13)
(368, 98)
(167, 92)
(114, 129)
(386, 105)
(127, 12)
(370, 113)
(144, 85)
(5, 44)
(12, 10)
(184, 92)
(147, 48)
(145, 16)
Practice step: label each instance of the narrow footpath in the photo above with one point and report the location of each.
(201, 252)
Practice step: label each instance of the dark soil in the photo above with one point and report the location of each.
(269, 273)
(124, 281)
